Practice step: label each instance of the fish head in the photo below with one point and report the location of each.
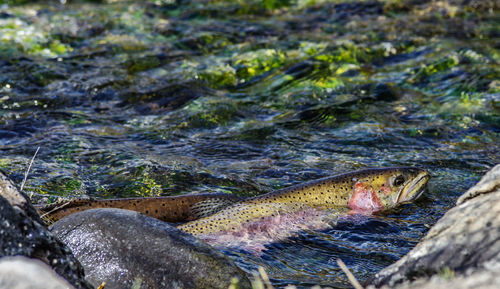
(379, 189)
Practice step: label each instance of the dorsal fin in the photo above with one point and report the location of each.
(211, 206)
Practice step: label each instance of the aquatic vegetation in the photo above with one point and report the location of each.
(144, 186)
(253, 63)
(219, 75)
(214, 114)
(440, 65)
(21, 37)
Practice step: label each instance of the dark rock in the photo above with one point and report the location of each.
(165, 98)
(379, 91)
(461, 251)
(358, 8)
(24, 273)
(5, 15)
(6, 134)
(122, 248)
(301, 69)
(22, 233)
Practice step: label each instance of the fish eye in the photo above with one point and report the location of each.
(398, 181)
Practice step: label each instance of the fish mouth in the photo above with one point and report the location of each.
(414, 188)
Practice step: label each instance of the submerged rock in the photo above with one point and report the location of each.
(22, 233)
(125, 248)
(24, 273)
(461, 251)
(164, 98)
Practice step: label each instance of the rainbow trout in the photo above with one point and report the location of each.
(312, 205)
(225, 219)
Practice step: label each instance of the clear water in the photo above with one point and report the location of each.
(128, 99)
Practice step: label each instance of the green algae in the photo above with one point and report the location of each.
(143, 186)
(256, 62)
(214, 114)
(72, 185)
(222, 75)
(437, 66)
(23, 38)
(446, 273)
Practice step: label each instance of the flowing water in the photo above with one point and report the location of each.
(130, 99)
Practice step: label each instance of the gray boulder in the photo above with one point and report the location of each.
(24, 273)
(22, 233)
(484, 279)
(17, 199)
(123, 248)
(489, 183)
(462, 250)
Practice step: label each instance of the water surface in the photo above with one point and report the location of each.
(130, 99)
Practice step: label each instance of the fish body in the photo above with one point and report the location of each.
(175, 209)
(226, 219)
(310, 205)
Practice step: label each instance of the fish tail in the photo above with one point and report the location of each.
(50, 213)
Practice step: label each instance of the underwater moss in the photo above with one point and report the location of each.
(312, 48)
(253, 63)
(59, 186)
(207, 42)
(122, 42)
(221, 75)
(446, 273)
(139, 64)
(72, 185)
(427, 70)
(209, 113)
(21, 37)
(4, 163)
